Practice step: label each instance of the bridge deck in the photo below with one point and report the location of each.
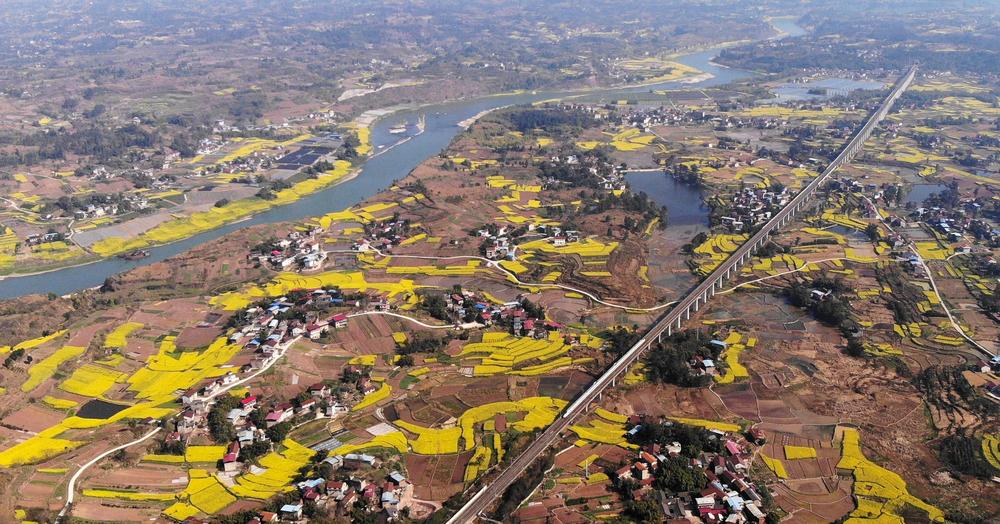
(696, 297)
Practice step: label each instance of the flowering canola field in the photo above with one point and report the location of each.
(879, 493)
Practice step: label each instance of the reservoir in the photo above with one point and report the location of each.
(833, 87)
(378, 173)
(685, 205)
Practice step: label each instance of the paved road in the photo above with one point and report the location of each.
(71, 487)
(485, 496)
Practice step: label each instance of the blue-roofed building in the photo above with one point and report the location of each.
(397, 477)
(291, 511)
(311, 483)
(360, 457)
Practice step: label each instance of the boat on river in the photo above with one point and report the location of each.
(138, 254)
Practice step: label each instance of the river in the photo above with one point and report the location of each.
(378, 173)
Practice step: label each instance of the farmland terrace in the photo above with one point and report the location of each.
(665, 325)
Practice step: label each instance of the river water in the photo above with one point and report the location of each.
(378, 173)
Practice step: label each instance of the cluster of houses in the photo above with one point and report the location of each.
(128, 203)
(954, 223)
(382, 235)
(43, 238)
(649, 117)
(729, 497)
(497, 241)
(752, 206)
(341, 496)
(263, 335)
(986, 375)
(300, 249)
(511, 315)
(610, 176)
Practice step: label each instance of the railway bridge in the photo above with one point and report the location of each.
(674, 318)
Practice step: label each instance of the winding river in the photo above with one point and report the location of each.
(378, 173)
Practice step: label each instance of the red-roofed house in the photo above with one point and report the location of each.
(624, 473)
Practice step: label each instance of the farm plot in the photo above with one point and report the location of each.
(500, 353)
(879, 493)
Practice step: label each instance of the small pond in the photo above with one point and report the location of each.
(919, 192)
(99, 409)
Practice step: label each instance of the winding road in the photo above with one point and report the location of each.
(71, 486)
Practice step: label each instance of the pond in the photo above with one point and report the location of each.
(99, 409)
(685, 204)
(919, 192)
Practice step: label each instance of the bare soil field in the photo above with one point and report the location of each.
(33, 417)
(114, 511)
(142, 477)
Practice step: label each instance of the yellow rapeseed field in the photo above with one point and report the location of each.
(184, 227)
(44, 369)
(91, 380)
(799, 452)
(879, 492)
(35, 449)
(371, 399)
(116, 339)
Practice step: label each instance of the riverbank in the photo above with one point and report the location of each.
(380, 171)
(117, 247)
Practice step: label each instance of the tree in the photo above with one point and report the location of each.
(668, 362)
(278, 432)
(644, 511)
(620, 339)
(219, 427)
(250, 452)
(855, 348)
(873, 232)
(435, 306)
(676, 475)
